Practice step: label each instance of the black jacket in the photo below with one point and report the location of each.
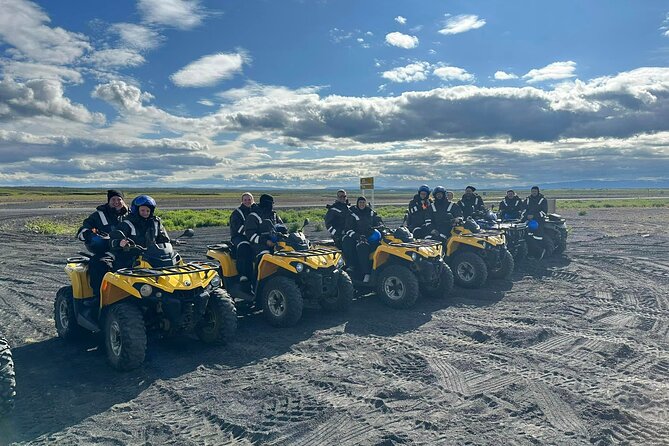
(142, 231)
(471, 204)
(259, 226)
(360, 222)
(536, 206)
(512, 207)
(335, 219)
(442, 214)
(105, 219)
(419, 212)
(237, 220)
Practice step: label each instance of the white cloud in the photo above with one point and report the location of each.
(206, 102)
(122, 95)
(182, 14)
(504, 76)
(402, 40)
(554, 71)
(137, 36)
(24, 26)
(453, 74)
(31, 70)
(116, 58)
(413, 72)
(209, 70)
(462, 23)
(401, 20)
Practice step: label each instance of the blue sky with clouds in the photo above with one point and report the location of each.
(316, 93)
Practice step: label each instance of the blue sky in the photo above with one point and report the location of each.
(316, 93)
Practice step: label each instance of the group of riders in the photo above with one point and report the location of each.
(114, 226)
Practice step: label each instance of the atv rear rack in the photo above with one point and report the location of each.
(188, 268)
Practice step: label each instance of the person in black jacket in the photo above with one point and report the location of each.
(511, 207)
(260, 226)
(243, 249)
(419, 212)
(471, 202)
(335, 217)
(443, 214)
(94, 232)
(360, 225)
(536, 208)
(142, 227)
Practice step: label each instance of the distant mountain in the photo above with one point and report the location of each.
(605, 184)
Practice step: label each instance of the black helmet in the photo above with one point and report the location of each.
(424, 188)
(266, 201)
(439, 189)
(403, 234)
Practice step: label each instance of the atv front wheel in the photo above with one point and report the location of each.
(520, 253)
(549, 245)
(219, 321)
(469, 270)
(7, 379)
(503, 267)
(561, 245)
(125, 336)
(398, 286)
(342, 300)
(442, 287)
(63, 314)
(282, 302)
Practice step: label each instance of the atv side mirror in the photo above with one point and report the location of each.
(187, 233)
(306, 222)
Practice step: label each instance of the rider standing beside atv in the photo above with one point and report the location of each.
(419, 212)
(335, 217)
(360, 225)
(142, 227)
(244, 251)
(94, 233)
(511, 207)
(443, 213)
(470, 203)
(260, 226)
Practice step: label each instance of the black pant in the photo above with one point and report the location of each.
(244, 259)
(421, 232)
(356, 254)
(348, 250)
(98, 266)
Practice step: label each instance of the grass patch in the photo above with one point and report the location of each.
(50, 227)
(582, 213)
(613, 203)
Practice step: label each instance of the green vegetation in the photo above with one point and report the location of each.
(582, 213)
(613, 203)
(50, 227)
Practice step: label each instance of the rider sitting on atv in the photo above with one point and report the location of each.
(361, 236)
(94, 232)
(511, 207)
(470, 203)
(443, 214)
(536, 208)
(260, 226)
(244, 251)
(142, 227)
(419, 212)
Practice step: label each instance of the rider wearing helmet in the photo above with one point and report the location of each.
(361, 238)
(260, 226)
(471, 202)
(443, 214)
(511, 207)
(419, 212)
(142, 227)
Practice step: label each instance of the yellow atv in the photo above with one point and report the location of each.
(403, 267)
(474, 255)
(294, 271)
(7, 379)
(160, 292)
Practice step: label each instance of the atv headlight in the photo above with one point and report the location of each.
(299, 267)
(340, 262)
(216, 281)
(146, 290)
(414, 256)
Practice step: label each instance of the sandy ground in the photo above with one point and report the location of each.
(570, 351)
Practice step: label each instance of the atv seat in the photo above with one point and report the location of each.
(78, 259)
(225, 247)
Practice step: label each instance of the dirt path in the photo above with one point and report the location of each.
(572, 350)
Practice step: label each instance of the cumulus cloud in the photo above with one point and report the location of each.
(461, 24)
(551, 72)
(209, 70)
(504, 76)
(122, 95)
(31, 70)
(401, 40)
(137, 36)
(401, 20)
(24, 26)
(413, 72)
(182, 14)
(116, 58)
(453, 74)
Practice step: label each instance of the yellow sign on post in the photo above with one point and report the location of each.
(367, 183)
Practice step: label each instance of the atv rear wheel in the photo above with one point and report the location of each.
(282, 302)
(219, 321)
(469, 270)
(7, 379)
(442, 287)
(549, 245)
(561, 245)
(503, 267)
(520, 253)
(342, 300)
(398, 286)
(63, 314)
(125, 336)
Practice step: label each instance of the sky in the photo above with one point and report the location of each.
(317, 93)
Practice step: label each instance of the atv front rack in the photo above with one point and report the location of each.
(188, 268)
(415, 244)
(312, 252)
